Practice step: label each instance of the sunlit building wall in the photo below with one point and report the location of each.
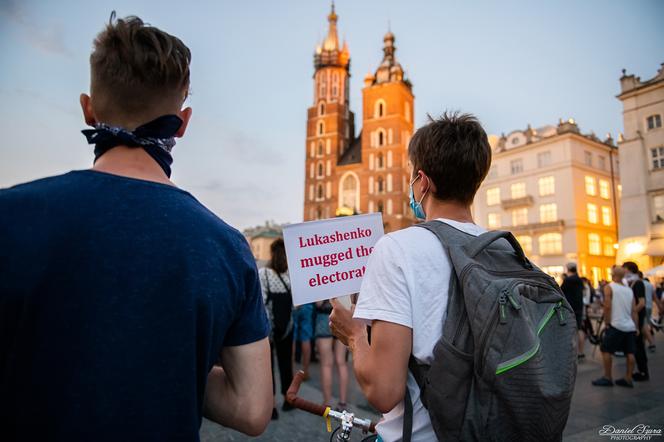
(555, 189)
(642, 163)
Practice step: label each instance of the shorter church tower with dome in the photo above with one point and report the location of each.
(349, 171)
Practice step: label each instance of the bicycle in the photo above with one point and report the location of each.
(347, 420)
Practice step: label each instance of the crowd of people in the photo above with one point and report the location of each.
(626, 304)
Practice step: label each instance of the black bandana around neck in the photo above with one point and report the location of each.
(157, 138)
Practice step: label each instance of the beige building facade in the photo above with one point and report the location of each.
(555, 189)
(260, 238)
(642, 164)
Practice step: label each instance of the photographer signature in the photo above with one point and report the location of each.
(608, 430)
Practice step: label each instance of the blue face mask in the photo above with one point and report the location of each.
(416, 206)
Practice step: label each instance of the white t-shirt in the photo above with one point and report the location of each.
(621, 307)
(406, 283)
(649, 290)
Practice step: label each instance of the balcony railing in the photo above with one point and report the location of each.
(513, 203)
(553, 226)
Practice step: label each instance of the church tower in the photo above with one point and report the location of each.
(330, 124)
(387, 125)
(347, 174)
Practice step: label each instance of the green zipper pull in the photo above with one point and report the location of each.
(512, 299)
(503, 314)
(561, 314)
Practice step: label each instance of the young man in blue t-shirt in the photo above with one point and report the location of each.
(119, 292)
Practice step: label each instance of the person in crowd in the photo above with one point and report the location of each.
(573, 288)
(599, 293)
(330, 352)
(588, 292)
(639, 290)
(404, 292)
(275, 285)
(303, 318)
(622, 326)
(119, 291)
(656, 319)
(651, 298)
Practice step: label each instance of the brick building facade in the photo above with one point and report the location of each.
(347, 173)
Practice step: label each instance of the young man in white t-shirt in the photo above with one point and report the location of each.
(622, 327)
(404, 291)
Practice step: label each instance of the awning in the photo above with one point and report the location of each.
(656, 271)
(655, 247)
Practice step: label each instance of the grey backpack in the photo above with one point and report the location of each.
(505, 366)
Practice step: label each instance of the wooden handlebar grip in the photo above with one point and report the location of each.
(298, 402)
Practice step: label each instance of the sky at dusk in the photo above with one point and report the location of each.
(509, 62)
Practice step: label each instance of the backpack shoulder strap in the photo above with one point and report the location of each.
(449, 237)
(286, 286)
(267, 285)
(446, 234)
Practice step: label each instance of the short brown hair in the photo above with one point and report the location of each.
(138, 72)
(454, 152)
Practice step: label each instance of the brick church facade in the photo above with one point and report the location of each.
(346, 173)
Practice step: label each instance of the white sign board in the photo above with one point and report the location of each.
(327, 259)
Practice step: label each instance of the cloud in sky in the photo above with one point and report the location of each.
(48, 39)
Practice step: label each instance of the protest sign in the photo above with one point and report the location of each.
(327, 259)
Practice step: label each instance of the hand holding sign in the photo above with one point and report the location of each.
(327, 259)
(342, 324)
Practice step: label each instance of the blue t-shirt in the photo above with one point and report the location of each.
(116, 298)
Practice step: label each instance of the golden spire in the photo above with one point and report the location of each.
(331, 42)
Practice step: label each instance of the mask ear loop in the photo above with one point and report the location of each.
(425, 192)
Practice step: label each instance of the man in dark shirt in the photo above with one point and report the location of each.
(119, 292)
(638, 288)
(573, 290)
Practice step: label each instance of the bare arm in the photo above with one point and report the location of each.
(238, 394)
(381, 368)
(608, 295)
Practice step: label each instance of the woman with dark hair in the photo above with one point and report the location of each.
(275, 284)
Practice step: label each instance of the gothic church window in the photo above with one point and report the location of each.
(379, 108)
(335, 84)
(323, 88)
(381, 137)
(349, 192)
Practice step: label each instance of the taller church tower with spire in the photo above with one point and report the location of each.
(347, 174)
